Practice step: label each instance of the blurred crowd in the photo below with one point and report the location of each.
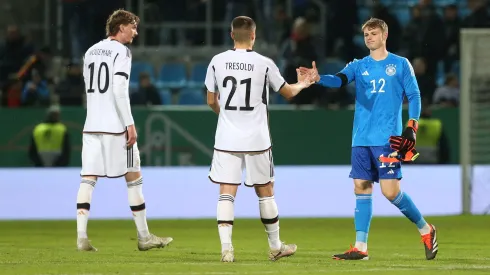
(429, 39)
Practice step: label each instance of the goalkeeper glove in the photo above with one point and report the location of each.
(406, 142)
(397, 157)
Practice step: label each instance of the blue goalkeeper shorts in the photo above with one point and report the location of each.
(366, 166)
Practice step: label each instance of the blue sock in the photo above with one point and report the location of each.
(362, 216)
(408, 208)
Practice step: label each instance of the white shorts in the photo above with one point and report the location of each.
(228, 168)
(105, 155)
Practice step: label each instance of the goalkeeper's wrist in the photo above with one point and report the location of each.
(414, 124)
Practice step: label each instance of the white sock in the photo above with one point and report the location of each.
(138, 207)
(425, 230)
(361, 246)
(225, 216)
(270, 218)
(84, 198)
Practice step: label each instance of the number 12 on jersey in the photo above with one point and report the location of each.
(381, 85)
(248, 83)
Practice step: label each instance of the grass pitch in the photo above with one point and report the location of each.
(49, 247)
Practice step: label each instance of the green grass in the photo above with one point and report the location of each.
(49, 247)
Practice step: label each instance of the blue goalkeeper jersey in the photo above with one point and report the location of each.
(380, 89)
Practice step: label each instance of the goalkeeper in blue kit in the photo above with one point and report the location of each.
(379, 142)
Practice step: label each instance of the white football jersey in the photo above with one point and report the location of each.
(242, 78)
(102, 63)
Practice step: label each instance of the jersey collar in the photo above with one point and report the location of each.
(372, 59)
(242, 50)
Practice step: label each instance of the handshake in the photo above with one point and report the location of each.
(308, 76)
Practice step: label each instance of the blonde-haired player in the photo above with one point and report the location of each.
(109, 135)
(238, 83)
(383, 80)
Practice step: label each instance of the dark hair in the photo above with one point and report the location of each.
(118, 18)
(241, 27)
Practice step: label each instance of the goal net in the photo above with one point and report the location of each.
(475, 120)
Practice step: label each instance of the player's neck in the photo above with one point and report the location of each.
(379, 54)
(117, 38)
(243, 46)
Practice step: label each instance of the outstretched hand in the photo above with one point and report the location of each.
(306, 80)
(309, 72)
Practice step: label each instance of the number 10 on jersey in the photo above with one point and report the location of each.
(102, 89)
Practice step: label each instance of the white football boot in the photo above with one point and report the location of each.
(228, 256)
(286, 250)
(153, 241)
(83, 244)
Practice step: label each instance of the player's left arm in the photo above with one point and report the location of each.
(120, 85)
(340, 79)
(211, 85)
(412, 91)
(406, 142)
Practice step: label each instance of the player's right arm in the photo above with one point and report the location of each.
(212, 87)
(120, 85)
(213, 102)
(287, 90)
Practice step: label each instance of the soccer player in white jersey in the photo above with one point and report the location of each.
(109, 135)
(238, 82)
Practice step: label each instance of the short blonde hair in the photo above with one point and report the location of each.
(375, 23)
(118, 18)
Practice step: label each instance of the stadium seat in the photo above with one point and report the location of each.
(198, 75)
(191, 96)
(456, 68)
(139, 67)
(281, 64)
(364, 14)
(444, 2)
(440, 73)
(172, 75)
(464, 11)
(388, 2)
(359, 40)
(133, 87)
(165, 96)
(403, 15)
(412, 2)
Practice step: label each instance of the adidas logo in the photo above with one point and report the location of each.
(391, 172)
(365, 73)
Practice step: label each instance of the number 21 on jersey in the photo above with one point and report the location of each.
(378, 86)
(247, 82)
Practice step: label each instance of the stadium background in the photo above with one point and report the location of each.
(41, 42)
(43, 45)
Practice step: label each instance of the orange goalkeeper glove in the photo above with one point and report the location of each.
(405, 142)
(398, 156)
